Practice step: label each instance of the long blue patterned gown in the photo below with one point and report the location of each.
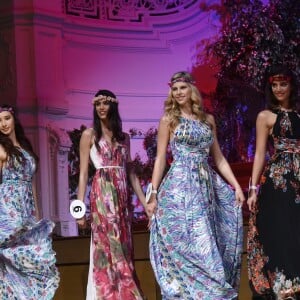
(196, 235)
(27, 261)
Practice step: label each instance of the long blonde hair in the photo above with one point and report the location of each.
(171, 107)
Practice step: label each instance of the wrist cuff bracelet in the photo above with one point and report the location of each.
(149, 192)
(252, 187)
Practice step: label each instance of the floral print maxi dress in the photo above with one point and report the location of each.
(27, 261)
(274, 230)
(112, 275)
(196, 234)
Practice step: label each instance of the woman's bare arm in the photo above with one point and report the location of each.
(84, 153)
(222, 164)
(263, 126)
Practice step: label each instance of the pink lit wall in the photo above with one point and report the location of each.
(60, 54)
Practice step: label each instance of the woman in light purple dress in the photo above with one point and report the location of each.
(196, 230)
(27, 261)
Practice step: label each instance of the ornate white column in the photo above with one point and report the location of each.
(59, 146)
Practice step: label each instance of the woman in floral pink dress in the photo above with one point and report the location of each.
(111, 275)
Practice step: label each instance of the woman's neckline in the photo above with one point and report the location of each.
(191, 117)
(112, 145)
(283, 109)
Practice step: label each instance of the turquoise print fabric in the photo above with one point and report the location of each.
(27, 261)
(196, 235)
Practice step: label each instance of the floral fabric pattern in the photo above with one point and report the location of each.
(273, 236)
(27, 261)
(112, 266)
(196, 235)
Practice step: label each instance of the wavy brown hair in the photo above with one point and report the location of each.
(171, 107)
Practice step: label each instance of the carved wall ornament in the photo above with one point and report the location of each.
(134, 11)
(59, 136)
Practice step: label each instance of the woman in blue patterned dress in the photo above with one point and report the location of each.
(196, 230)
(274, 225)
(27, 261)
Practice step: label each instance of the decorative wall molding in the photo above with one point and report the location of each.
(90, 93)
(135, 11)
(133, 24)
(59, 136)
(57, 110)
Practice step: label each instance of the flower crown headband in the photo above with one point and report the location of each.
(105, 98)
(181, 79)
(279, 78)
(9, 109)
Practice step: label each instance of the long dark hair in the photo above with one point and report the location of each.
(24, 142)
(272, 102)
(114, 120)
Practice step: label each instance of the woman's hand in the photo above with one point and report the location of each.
(252, 199)
(37, 215)
(239, 196)
(150, 208)
(81, 222)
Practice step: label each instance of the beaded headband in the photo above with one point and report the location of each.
(181, 79)
(279, 78)
(9, 109)
(105, 98)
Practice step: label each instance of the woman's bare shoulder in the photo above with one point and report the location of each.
(3, 154)
(266, 116)
(265, 113)
(88, 132)
(209, 117)
(165, 118)
(210, 120)
(88, 136)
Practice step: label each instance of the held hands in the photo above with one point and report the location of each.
(81, 222)
(78, 210)
(151, 202)
(150, 208)
(37, 215)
